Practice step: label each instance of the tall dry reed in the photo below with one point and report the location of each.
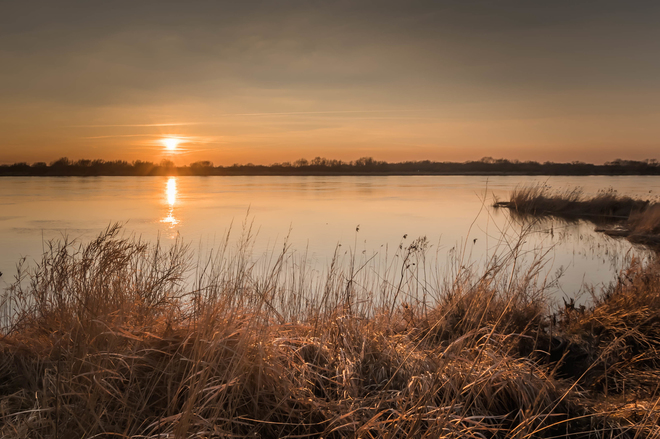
(121, 338)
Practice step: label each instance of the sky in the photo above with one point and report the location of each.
(273, 81)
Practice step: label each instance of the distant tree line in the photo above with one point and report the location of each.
(323, 166)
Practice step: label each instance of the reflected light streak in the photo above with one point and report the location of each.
(171, 191)
(170, 196)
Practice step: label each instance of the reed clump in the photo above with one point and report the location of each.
(541, 200)
(646, 221)
(112, 339)
(617, 215)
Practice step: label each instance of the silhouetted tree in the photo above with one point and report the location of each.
(486, 165)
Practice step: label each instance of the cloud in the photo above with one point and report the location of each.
(112, 69)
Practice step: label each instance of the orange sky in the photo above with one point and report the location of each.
(266, 82)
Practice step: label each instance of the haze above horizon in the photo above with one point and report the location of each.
(266, 82)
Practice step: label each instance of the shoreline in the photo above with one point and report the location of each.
(347, 174)
(321, 167)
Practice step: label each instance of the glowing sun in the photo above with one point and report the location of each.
(170, 143)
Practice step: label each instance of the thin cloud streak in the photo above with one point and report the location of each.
(120, 135)
(293, 113)
(290, 113)
(136, 125)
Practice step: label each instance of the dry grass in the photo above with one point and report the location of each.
(619, 215)
(540, 200)
(107, 340)
(646, 222)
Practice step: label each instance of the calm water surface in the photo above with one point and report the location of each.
(315, 213)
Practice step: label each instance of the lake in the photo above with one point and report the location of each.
(364, 214)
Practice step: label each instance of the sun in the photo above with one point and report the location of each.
(170, 143)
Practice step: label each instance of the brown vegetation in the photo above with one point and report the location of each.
(618, 215)
(540, 200)
(106, 340)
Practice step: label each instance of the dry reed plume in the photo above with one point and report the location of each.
(107, 340)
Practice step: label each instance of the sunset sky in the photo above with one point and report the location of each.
(264, 82)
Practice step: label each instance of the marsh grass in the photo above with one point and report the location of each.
(113, 339)
(539, 199)
(646, 221)
(617, 215)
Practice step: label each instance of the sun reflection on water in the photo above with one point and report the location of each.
(170, 196)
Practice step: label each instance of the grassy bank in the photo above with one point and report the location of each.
(617, 215)
(106, 340)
